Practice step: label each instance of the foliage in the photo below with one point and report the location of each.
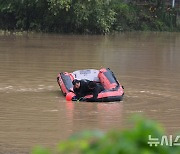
(40, 150)
(153, 16)
(93, 15)
(129, 141)
(126, 16)
(85, 16)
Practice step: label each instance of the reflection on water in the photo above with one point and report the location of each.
(82, 116)
(33, 111)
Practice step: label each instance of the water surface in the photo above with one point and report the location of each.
(33, 110)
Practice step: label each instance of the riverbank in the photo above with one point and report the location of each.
(87, 17)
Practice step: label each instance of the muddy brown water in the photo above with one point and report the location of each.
(33, 110)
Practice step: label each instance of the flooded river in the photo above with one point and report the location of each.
(33, 110)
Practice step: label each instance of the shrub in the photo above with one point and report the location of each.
(85, 16)
(129, 141)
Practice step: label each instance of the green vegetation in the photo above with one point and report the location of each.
(86, 16)
(129, 141)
